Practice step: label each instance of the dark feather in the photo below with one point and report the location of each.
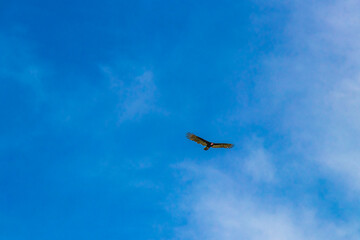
(197, 139)
(222, 145)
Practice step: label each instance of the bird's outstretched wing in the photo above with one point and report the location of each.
(222, 145)
(197, 139)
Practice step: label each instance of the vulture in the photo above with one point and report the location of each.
(207, 144)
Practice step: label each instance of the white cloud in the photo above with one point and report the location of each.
(219, 208)
(313, 86)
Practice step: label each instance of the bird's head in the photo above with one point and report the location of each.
(211, 144)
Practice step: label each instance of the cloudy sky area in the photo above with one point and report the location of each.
(97, 97)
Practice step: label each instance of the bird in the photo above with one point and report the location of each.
(208, 144)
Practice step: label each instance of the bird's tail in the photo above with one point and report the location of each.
(206, 148)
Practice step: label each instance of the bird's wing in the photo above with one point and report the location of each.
(197, 139)
(222, 145)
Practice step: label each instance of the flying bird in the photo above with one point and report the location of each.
(207, 144)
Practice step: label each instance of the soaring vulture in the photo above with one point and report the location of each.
(207, 144)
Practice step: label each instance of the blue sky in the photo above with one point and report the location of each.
(96, 99)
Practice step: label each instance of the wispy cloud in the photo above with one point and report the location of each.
(137, 94)
(318, 85)
(219, 208)
(309, 87)
(138, 98)
(311, 94)
(259, 166)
